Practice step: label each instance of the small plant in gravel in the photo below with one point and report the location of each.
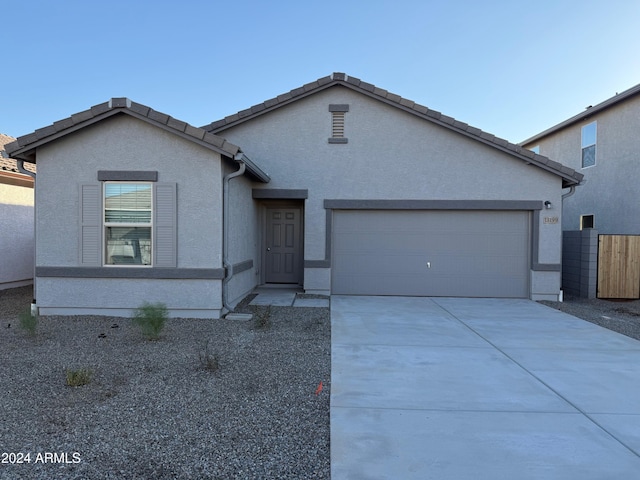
(28, 322)
(151, 319)
(209, 361)
(263, 317)
(76, 378)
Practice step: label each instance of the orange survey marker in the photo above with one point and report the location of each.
(319, 389)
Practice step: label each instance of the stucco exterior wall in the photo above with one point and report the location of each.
(243, 238)
(17, 236)
(390, 155)
(609, 190)
(125, 143)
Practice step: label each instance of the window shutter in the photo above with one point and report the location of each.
(90, 224)
(165, 225)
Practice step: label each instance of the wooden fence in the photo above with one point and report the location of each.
(618, 266)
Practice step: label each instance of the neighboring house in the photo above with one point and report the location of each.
(16, 222)
(602, 143)
(366, 193)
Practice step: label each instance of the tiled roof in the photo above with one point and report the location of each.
(8, 164)
(589, 111)
(25, 146)
(569, 176)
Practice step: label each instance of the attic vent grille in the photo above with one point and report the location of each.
(337, 126)
(337, 123)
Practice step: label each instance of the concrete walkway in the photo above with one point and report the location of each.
(451, 388)
(286, 297)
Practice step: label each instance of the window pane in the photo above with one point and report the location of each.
(127, 203)
(128, 245)
(589, 135)
(589, 156)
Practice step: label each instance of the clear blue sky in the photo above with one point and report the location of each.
(509, 67)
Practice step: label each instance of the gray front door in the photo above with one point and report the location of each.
(283, 245)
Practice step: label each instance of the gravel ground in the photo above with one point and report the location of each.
(153, 410)
(622, 316)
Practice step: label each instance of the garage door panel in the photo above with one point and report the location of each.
(432, 253)
(380, 241)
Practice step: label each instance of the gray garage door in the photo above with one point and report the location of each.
(431, 253)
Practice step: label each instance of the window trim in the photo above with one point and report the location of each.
(150, 225)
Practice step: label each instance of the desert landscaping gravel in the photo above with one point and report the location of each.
(158, 409)
(622, 316)
(211, 399)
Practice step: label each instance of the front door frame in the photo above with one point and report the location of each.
(267, 205)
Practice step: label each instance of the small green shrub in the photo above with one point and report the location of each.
(209, 361)
(76, 378)
(151, 319)
(28, 322)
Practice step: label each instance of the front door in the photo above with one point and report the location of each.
(283, 254)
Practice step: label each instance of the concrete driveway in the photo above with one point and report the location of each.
(458, 388)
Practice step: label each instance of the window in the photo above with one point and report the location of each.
(586, 221)
(535, 149)
(127, 223)
(128, 218)
(589, 145)
(338, 113)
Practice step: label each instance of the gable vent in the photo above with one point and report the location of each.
(337, 123)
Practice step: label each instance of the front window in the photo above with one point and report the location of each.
(589, 145)
(127, 223)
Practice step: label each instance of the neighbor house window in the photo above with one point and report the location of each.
(589, 145)
(128, 223)
(586, 221)
(535, 149)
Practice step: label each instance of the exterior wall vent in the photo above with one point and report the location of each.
(337, 123)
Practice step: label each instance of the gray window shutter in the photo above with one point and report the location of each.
(165, 249)
(90, 224)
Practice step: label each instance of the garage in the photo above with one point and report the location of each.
(452, 253)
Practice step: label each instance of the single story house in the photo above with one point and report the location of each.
(16, 221)
(338, 187)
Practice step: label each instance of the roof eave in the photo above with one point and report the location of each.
(24, 148)
(339, 79)
(256, 172)
(590, 111)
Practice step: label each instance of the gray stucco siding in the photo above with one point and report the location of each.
(608, 191)
(391, 155)
(16, 236)
(120, 296)
(124, 144)
(243, 237)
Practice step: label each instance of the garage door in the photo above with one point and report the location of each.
(456, 253)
